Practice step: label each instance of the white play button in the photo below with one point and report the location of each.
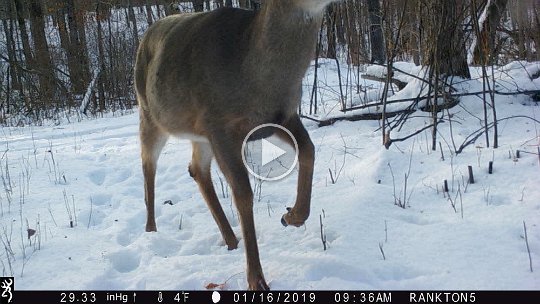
(270, 152)
(268, 156)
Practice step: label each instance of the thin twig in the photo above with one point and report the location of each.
(528, 249)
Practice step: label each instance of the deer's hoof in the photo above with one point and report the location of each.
(259, 284)
(292, 219)
(232, 245)
(151, 228)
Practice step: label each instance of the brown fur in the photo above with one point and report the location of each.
(213, 77)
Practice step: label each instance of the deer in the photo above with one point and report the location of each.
(211, 77)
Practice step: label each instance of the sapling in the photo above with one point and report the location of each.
(487, 195)
(471, 175)
(38, 235)
(224, 186)
(528, 248)
(59, 177)
(34, 145)
(6, 181)
(323, 234)
(479, 154)
(382, 251)
(9, 257)
(74, 210)
(68, 209)
(336, 172)
(385, 231)
(452, 168)
(269, 208)
(406, 198)
(453, 201)
(465, 183)
(21, 203)
(52, 216)
(5, 238)
(396, 198)
(460, 201)
(331, 176)
(257, 187)
(90, 215)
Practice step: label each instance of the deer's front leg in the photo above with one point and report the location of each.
(297, 215)
(227, 150)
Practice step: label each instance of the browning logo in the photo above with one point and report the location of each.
(6, 287)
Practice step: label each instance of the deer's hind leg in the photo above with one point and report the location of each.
(199, 169)
(152, 141)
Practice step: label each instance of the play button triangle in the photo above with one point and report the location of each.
(269, 158)
(270, 152)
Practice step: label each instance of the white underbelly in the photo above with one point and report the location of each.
(192, 137)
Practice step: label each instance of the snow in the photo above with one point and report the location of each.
(426, 245)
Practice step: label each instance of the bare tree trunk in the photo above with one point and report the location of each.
(78, 41)
(27, 50)
(103, 80)
(375, 33)
(256, 4)
(519, 19)
(112, 52)
(198, 5)
(158, 8)
(536, 29)
(168, 7)
(445, 43)
(149, 14)
(485, 44)
(244, 3)
(445, 52)
(228, 3)
(417, 39)
(47, 83)
(353, 32)
(14, 69)
(330, 20)
(339, 21)
(133, 20)
(70, 40)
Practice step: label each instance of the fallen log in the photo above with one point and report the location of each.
(453, 101)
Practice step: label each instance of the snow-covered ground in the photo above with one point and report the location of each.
(91, 170)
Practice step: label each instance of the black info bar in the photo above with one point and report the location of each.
(232, 297)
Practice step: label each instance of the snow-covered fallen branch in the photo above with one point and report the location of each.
(450, 96)
(405, 110)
